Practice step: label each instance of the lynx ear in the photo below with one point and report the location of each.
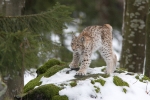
(73, 36)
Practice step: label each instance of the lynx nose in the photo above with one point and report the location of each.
(73, 48)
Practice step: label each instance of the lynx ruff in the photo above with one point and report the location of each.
(91, 39)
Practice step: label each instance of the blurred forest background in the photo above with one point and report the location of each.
(85, 13)
(33, 31)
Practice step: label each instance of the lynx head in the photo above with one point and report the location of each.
(77, 43)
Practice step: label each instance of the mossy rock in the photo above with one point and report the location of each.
(58, 97)
(119, 82)
(52, 70)
(36, 82)
(31, 84)
(47, 65)
(48, 69)
(45, 92)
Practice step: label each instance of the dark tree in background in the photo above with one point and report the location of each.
(14, 83)
(147, 62)
(134, 32)
(91, 12)
(13, 7)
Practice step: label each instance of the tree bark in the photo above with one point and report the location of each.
(13, 7)
(1, 7)
(133, 49)
(15, 82)
(147, 60)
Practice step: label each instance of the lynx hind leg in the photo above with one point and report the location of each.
(110, 66)
(110, 60)
(114, 61)
(74, 65)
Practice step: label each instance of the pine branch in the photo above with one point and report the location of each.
(23, 39)
(51, 20)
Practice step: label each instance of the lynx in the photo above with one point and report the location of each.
(91, 39)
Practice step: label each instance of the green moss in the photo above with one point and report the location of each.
(47, 65)
(142, 79)
(92, 81)
(48, 72)
(119, 82)
(124, 90)
(31, 84)
(58, 97)
(120, 70)
(45, 92)
(51, 71)
(97, 89)
(101, 81)
(137, 77)
(73, 84)
(105, 75)
(103, 69)
(146, 78)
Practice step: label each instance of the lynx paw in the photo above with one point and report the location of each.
(73, 66)
(81, 73)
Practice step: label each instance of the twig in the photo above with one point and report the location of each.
(135, 81)
(147, 92)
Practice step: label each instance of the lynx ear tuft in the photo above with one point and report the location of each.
(73, 36)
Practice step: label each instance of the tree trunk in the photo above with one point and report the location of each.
(15, 82)
(13, 7)
(15, 85)
(133, 50)
(147, 62)
(1, 7)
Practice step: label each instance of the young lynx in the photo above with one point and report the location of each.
(91, 39)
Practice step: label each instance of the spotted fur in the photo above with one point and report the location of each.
(91, 39)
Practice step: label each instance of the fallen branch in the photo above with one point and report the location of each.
(147, 92)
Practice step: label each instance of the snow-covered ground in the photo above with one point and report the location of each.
(85, 90)
(29, 75)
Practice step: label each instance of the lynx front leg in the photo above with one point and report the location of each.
(85, 62)
(74, 65)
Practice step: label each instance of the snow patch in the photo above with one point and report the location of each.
(29, 75)
(85, 89)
